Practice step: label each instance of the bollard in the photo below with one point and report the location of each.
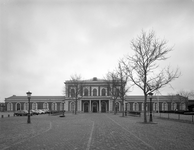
(1, 116)
(8, 115)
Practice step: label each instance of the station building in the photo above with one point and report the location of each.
(95, 97)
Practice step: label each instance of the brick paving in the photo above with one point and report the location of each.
(94, 132)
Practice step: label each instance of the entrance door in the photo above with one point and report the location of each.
(94, 106)
(86, 106)
(103, 107)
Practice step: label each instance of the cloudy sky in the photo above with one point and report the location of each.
(44, 42)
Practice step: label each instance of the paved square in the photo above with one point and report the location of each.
(94, 132)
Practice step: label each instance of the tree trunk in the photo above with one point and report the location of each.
(114, 107)
(123, 111)
(76, 106)
(145, 104)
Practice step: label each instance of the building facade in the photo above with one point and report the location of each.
(93, 96)
(2, 107)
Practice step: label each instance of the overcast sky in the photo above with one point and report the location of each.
(44, 42)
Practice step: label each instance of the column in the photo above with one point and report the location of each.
(66, 105)
(90, 106)
(109, 105)
(99, 105)
(90, 91)
(80, 105)
(124, 105)
(99, 91)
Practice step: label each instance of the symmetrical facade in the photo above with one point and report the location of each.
(94, 96)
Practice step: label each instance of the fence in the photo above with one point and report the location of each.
(175, 116)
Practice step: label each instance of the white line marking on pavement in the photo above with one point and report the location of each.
(50, 127)
(131, 133)
(90, 139)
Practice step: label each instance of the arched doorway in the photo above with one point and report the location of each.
(86, 107)
(103, 106)
(94, 107)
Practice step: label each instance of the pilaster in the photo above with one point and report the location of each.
(100, 106)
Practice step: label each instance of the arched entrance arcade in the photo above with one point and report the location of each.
(94, 106)
(104, 106)
(86, 106)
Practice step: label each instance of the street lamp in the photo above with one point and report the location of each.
(63, 108)
(29, 96)
(150, 95)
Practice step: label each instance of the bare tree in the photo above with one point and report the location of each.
(75, 87)
(113, 84)
(63, 101)
(123, 78)
(184, 97)
(142, 67)
(171, 98)
(118, 86)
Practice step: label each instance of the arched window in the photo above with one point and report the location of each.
(164, 106)
(182, 106)
(26, 106)
(54, 106)
(45, 105)
(142, 106)
(117, 92)
(17, 106)
(9, 107)
(34, 106)
(62, 106)
(72, 106)
(72, 92)
(155, 106)
(94, 92)
(117, 106)
(85, 92)
(103, 92)
(173, 106)
(127, 106)
(135, 106)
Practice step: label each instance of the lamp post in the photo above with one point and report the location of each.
(63, 108)
(29, 96)
(150, 95)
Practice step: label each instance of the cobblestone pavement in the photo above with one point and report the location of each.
(94, 132)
